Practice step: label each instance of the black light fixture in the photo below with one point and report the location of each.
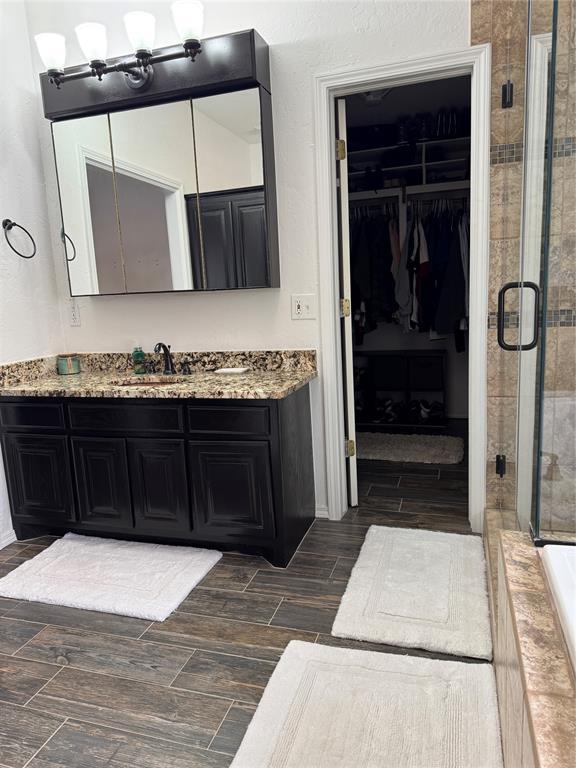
(188, 16)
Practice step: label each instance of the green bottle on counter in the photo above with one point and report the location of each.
(138, 360)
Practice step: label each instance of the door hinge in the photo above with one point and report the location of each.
(344, 307)
(349, 448)
(340, 149)
(501, 465)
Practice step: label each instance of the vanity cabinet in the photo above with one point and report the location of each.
(229, 474)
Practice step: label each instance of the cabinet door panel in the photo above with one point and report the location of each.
(102, 481)
(250, 243)
(232, 490)
(213, 261)
(39, 477)
(159, 487)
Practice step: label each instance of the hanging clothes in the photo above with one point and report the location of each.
(437, 266)
(374, 257)
(422, 283)
(451, 297)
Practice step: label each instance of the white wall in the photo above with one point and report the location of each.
(305, 38)
(29, 312)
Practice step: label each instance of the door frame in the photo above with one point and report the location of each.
(474, 61)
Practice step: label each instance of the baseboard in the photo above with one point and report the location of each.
(322, 511)
(7, 538)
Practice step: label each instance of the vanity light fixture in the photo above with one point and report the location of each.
(188, 16)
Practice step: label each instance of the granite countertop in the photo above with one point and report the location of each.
(270, 376)
(548, 677)
(252, 385)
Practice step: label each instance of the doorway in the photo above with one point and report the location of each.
(404, 186)
(473, 62)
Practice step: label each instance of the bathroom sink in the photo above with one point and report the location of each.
(146, 380)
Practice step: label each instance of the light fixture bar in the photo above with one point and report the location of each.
(134, 67)
(140, 28)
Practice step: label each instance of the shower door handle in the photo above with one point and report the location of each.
(501, 309)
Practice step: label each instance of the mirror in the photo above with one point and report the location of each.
(87, 200)
(155, 170)
(168, 197)
(232, 252)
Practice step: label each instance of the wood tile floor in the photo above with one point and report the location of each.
(82, 689)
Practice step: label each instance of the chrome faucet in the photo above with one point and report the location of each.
(168, 362)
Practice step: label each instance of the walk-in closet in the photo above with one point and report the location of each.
(405, 198)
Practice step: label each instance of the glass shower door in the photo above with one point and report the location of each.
(546, 288)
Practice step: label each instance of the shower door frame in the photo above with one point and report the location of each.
(475, 62)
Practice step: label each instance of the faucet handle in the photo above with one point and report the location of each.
(185, 367)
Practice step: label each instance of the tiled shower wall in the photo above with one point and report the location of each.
(504, 23)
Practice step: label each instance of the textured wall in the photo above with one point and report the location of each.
(29, 311)
(305, 38)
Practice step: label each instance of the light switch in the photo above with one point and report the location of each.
(303, 306)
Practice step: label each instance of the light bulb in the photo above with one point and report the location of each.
(188, 18)
(92, 40)
(140, 28)
(52, 49)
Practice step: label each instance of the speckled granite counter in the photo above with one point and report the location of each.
(273, 375)
(536, 686)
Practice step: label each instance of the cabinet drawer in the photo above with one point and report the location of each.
(32, 415)
(126, 418)
(229, 421)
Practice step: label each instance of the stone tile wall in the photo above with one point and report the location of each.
(504, 23)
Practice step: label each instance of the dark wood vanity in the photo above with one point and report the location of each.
(228, 474)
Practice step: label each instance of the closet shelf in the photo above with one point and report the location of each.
(412, 166)
(379, 426)
(423, 142)
(417, 189)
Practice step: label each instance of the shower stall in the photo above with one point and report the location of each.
(536, 309)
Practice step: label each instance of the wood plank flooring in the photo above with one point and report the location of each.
(82, 688)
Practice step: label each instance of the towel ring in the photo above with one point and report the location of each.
(65, 237)
(7, 225)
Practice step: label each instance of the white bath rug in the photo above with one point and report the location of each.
(418, 589)
(421, 449)
(338, 708)
(130, 578)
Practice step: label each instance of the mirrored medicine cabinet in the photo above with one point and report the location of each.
(169, 197)
(172, 187)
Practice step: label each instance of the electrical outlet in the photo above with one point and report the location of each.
(74, 313)
(303, 306)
